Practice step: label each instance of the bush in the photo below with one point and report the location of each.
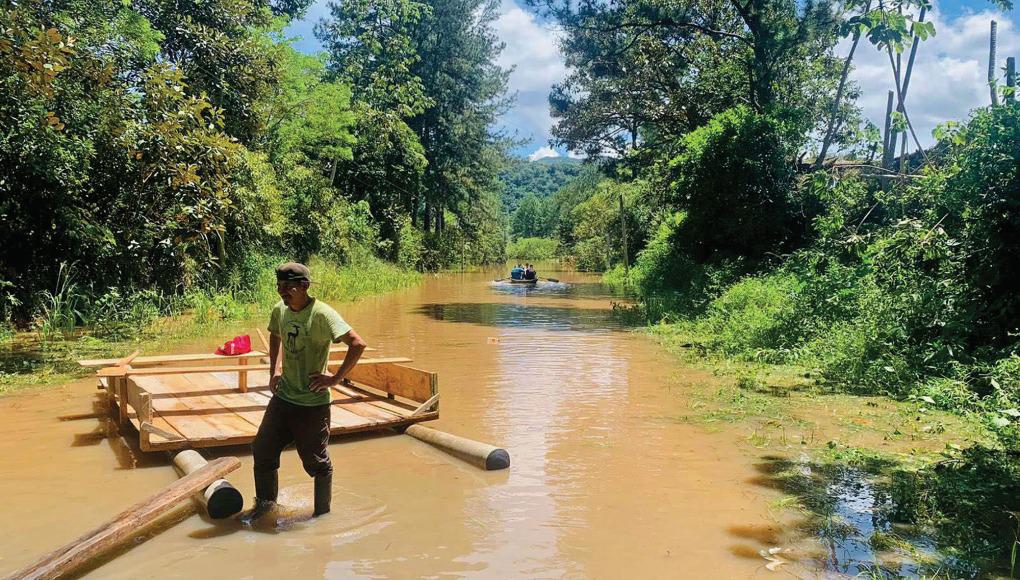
(758, 318)
(533, 249)
(734, 180)
(410, 245)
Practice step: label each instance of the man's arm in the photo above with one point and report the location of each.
(274, 355)
(355, 346)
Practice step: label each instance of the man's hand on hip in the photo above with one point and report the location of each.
(274, 383)
(321, 382)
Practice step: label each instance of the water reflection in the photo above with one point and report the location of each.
(566, 290)
(539, 317)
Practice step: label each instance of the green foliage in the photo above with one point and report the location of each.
(541, 178)
(533, 249)
(410, 245)
(61, 308)
(776, 56)
(319, 220)
(186, 162)
(598, 228)
(533, 218)
(733, 180)
(310, 118)
(371, 47)
(968, 498)
(757, 318)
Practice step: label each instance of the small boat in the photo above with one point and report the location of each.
(532, 281)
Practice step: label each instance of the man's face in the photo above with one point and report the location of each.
(289, 291)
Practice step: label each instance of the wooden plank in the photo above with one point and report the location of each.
(144, 361)
(65, 560)
(424, 407)
(341, 420)
(122, 408)
(162, 435)
(364, 409)
(250, 405)
(193, 416)
(133, 372)
(242, 376)
(404, 381)
(393, 406)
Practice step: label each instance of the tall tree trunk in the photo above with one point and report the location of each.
(888, 144)
(991, 65)
(1011, 79)
(830, 131)
(901, 107)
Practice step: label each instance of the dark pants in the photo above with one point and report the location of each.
(285, 423)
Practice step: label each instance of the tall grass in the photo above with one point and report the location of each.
(60, 310)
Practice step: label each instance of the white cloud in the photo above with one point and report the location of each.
(542, 153)
(950, 71)
(533, 51)
(576, 155)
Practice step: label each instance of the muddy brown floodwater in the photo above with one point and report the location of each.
(603, 483)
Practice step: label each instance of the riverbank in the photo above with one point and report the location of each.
(875, 485)
(47, 354)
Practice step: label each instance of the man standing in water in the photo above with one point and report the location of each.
(299, 410)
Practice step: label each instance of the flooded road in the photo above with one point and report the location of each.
(604, 481)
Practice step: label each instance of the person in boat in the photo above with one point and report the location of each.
(299, 411)
(529, 272)
(517, 273)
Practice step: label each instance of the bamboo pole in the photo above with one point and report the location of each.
(66, 559)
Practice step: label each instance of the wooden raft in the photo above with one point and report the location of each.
(176, 402)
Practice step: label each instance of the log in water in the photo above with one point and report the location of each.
(488, 457)
(68, 558)
(220, 499)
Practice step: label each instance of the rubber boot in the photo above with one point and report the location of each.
(266, 489)
(323, 494)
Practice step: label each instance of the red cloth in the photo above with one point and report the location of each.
(235, 346)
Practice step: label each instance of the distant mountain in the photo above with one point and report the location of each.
(558, 161)
(542, 178)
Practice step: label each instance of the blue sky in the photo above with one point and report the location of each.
(948, 79)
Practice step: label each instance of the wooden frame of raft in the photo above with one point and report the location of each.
(219, 404)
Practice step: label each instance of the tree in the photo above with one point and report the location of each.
(224, 52)
(371, 47)
(646, 73)
(432, 65)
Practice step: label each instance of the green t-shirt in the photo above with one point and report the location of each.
(305, 336)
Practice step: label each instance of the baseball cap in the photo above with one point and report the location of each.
(293, 272)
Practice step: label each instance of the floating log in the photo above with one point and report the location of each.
(480, 454)
(66, 559)
(220, 499)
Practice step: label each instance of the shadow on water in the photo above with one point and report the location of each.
(526, 316)
(856, 519)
